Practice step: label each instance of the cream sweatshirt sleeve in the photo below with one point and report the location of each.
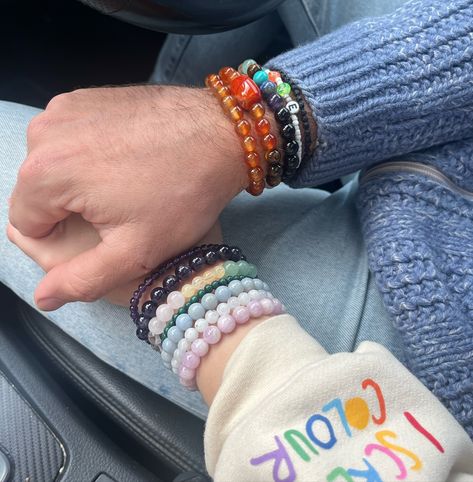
(287, 411)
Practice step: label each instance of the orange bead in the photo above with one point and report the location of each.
(269, 142)
(227, 74)
(273, 76)
(211, 79)
(246, 91)
(257, 111)
(223, 90)
(236, 113)
(243, 127)
(256, 174)
(252, 159)
(249, 144)
(263, 126)
(229, 102)
(255, 188)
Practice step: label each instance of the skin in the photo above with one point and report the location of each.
(130, 162)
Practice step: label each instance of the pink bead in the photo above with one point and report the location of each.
(175, 300)
(155, 326)
(186, 373)
(190, 360)
(164, 313)
(267, 306)
(241, 314)
(256, 310)
(226, 323)
(189, 384)
(212, 335)
(200, 347)
(278, 308)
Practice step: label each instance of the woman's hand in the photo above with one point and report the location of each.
(148, 167)
(73, 236)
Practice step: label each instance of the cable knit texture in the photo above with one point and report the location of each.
(386, 86)
(401, 86)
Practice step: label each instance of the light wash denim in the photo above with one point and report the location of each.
(307, 243)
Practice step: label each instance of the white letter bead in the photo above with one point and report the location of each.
(292, 107)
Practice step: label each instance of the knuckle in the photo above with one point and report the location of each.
(34, 166)
(37, 126)
(60, 101)
(82, 290)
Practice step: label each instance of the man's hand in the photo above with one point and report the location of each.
(149, 167)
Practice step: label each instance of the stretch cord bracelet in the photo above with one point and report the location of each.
(307, 142)
(240, 86)
(214, 297)
(223, 302)
(184, 265)
(276, 93)
(243, 128)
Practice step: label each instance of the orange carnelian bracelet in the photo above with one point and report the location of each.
(238, 92)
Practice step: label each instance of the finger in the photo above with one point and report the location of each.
(89, 275)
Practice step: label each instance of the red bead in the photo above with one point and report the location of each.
(263, 126)
(246, 91)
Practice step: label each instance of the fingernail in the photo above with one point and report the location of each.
(49, 304)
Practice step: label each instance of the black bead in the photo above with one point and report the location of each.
(142, 333)
(243, 257)
(148, 308)
(288, 131)
(283, 115)
(235, 253)
(291, 147)
(275, 170)
(142, 322)
(211, 257)
(158, 294)
(291, 162)
(183, 271)
(196, 263)
(224, 252)
(170, 282)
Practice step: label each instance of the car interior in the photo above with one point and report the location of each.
(66, 415)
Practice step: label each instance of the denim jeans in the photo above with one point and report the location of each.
(307, 243)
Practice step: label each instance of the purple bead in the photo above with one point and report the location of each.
(211, 257)
(183, 272)
(196, 263)
(142, 321)
(190, 360)
(158, 294)
(200, 347)
(267, 306)
(235, 253)
(241, 314)
(170, 282)
(226, 323)
(186, 373)
(224, 252)
(278, 308)
(276, 102)
(255, 308)
(212, 335)
(268, 88)
(142, 333)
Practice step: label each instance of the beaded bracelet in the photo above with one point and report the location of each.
(198, 256)
(277, 95)
(248, 95)
(243, 129)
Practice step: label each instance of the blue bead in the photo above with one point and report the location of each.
(223, 293)
(209, 301)
(235, 287)
(260, 77)
(184, 321)
(166, 357)
(175, 334)
(168, 345)
(268, 88)
(248, 284)
(258, 284)
(196, 311)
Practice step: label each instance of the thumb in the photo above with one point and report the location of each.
(89, 275)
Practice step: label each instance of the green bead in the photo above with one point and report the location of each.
(200, 293)
(215, 285)
(245, 65)
(283, 89)
(252, 270)
(208, 289)
(243, 267)
(231, 268)
(181, 311)
(174, 317)
(194, 299)
(165, 332)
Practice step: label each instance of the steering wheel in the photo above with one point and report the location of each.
(186, 16)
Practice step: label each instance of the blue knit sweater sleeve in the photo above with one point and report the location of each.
(387, 86)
